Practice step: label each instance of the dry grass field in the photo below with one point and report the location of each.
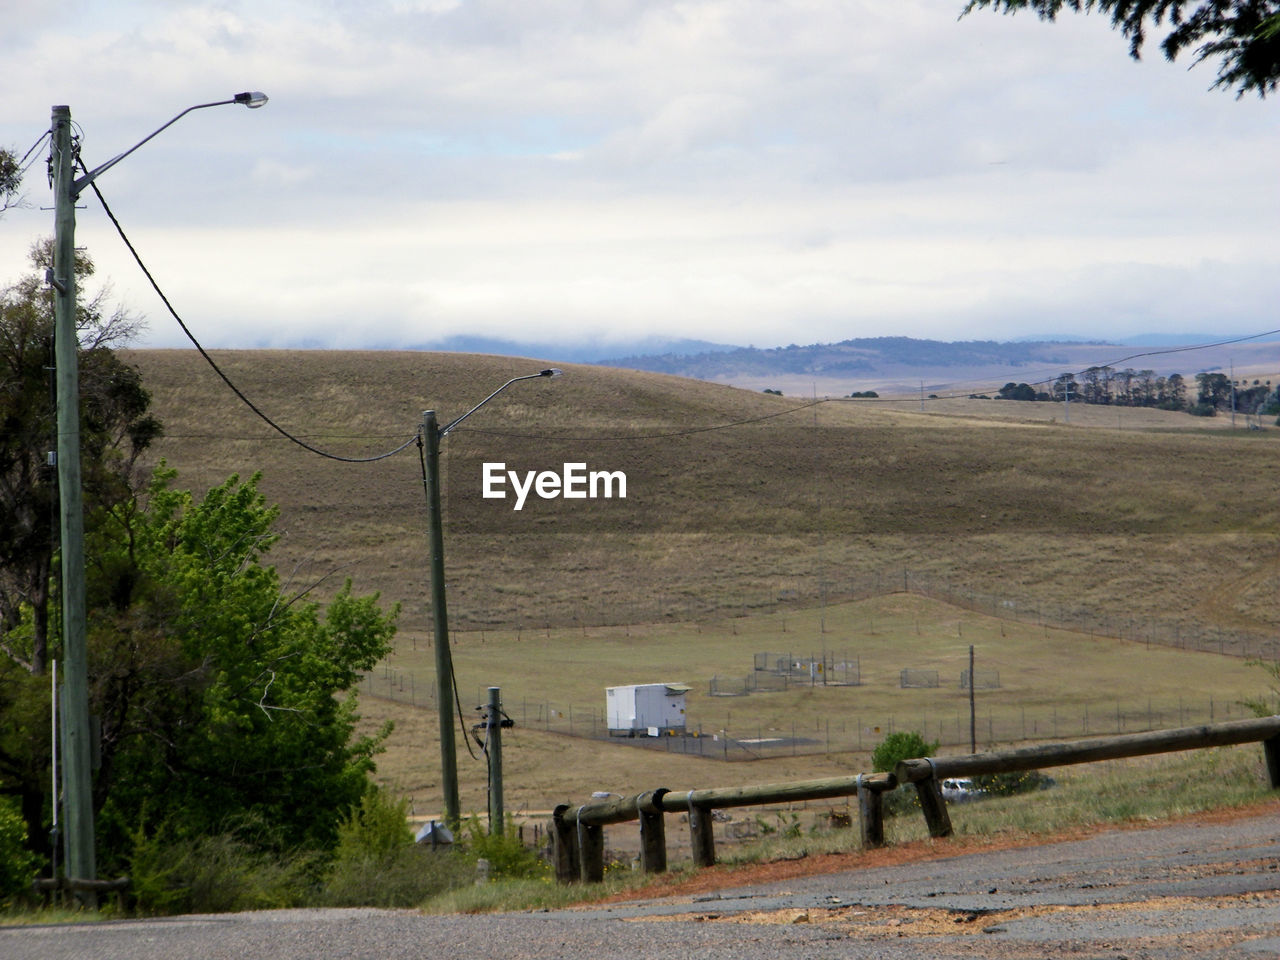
(741, 509)
(1049, 682)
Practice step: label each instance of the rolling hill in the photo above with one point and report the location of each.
(735, 500)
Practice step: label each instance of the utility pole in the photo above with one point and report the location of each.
(76, 746)
(433, 433)
(497, 814)
(440, 620)
(80, 858)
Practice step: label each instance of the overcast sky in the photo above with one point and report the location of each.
(742, 171)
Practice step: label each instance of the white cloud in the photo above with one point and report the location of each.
(745, 170)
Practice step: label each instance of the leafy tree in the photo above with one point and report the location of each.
(218, 691)
(115, 430)
(1065, 387)
(1243, 35)
(1017, 391)
(1214, 390)
(10, 179)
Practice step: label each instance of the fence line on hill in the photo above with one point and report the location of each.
(797, 594)
(848, 733)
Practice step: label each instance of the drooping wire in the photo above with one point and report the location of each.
(27, 158)
(218, 370)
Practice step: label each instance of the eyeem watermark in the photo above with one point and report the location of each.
(573, 482)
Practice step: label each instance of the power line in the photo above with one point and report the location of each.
(218, 370)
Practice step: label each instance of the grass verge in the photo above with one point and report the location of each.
(1121, 793)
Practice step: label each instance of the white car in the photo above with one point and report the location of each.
(959, 789)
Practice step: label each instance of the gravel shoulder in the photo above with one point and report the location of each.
(1208, 887)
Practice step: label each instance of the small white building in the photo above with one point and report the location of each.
(655, 709)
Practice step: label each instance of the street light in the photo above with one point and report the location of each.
(433, 434)
(76, 749)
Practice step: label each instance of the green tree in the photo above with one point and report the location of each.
(1214, 390)
(10, 179)
(223, 699)
(903, 745)
(116, 428)
(1017, 391)
(1243, 35)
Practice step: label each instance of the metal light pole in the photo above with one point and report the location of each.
(76, 749)
(433, 434)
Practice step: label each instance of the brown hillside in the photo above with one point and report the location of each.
(735, 499)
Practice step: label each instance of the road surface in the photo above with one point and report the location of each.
(1203, 890)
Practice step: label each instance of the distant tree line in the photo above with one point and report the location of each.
(1107, 386)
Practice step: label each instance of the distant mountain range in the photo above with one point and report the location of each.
(579, 351)
(889, 361)
(862, 357)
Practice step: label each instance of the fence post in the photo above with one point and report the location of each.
(870, 814)
(653, 831)
(1271, 751)
(704, 844)
(564, 846)
(590, 850)
(934, 807)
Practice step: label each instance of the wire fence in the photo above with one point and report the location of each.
(776, 671)
(810, 594)
(836, 733)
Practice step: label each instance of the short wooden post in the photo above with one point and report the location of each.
(591, 851)
(653, 831)
(871, 814)
(1271, 751)
(564, 845)
(934, 807)
(704, 844)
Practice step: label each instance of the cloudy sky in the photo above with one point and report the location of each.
(742, 171)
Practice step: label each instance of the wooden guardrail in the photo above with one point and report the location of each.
(927, 772)
(578, 832)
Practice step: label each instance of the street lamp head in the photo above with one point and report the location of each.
(253, 100)
(552, 372)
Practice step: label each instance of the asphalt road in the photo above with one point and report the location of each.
(1186, 890)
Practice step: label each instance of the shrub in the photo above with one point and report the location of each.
(377, 864)
(506, 853)
(1007, 784)
(220, 873)
(18, 865)
(903, 745)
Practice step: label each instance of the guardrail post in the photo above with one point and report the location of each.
(871, 814)
(1271, 751)
(704, 844)
(590, 850)
(934, 807)
(564, 845)
(653, 831)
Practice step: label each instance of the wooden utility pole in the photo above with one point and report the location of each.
(440, 620)
(76, 751)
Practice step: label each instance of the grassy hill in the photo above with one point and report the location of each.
(1140, 513)
(740, 504)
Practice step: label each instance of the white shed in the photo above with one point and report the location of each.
(653, 708)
